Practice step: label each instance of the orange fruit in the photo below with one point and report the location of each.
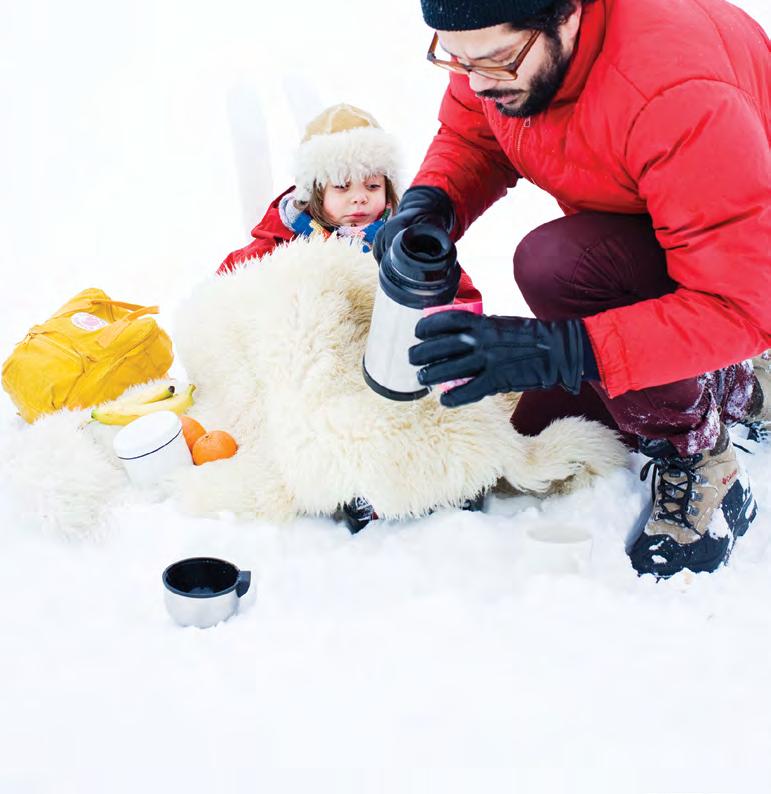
(192, 430)
(215, 445)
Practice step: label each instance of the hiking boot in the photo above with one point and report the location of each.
(358, 513)
(701, 504)
(758, 418)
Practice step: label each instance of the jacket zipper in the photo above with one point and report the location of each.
(525, 124)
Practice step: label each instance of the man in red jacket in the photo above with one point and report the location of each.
(648, 122)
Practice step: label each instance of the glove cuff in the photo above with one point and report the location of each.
(568, 356)
(591, 370)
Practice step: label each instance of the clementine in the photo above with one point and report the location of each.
(215, 445)
(192, 430)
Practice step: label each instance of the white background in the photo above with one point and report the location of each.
(139, 143)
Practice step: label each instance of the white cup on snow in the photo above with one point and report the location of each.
(556, 549)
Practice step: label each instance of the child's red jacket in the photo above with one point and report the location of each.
(270, 232)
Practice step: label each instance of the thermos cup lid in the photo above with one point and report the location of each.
(422, 253)
(147, 434)
(420, 268)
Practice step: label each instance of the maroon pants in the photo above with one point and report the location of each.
(587, 263)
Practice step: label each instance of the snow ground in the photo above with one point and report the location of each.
(140, 142)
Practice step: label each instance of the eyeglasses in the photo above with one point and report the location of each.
(507, 72)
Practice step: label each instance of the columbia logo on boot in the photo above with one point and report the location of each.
(729, 477)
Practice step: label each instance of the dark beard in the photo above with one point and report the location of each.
(543, 86)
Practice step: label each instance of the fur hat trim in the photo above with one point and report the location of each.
(350, 154)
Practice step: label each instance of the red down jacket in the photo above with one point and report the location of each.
(270, 232)
(665, 110)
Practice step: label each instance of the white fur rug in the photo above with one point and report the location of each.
(275, 350)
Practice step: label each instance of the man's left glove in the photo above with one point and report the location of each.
(419, 204)
(500, 354)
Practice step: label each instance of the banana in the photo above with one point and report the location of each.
(149, 394)
(121, 413)
(153, 393)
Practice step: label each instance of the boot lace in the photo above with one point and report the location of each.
(673, 479)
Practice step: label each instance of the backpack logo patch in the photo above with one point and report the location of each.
(88, 322)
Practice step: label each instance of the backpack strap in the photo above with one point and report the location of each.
(119, 304)
(108, 335)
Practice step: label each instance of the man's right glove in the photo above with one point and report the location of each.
(500, 354)
(419, 204)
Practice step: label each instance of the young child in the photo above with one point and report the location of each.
(344, 185)
(345, 174)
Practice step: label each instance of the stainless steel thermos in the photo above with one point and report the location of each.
(419, 270)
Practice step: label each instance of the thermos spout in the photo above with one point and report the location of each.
(419, 270)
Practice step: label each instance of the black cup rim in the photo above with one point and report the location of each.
(165, 577)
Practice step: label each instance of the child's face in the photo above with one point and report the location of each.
(355, 203)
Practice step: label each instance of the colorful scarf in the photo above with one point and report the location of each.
(302, 224)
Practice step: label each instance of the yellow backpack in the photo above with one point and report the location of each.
(90, 351)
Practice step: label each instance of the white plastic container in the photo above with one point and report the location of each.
(151, 447)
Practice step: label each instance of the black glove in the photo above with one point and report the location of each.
(420, 204)
(500, 354)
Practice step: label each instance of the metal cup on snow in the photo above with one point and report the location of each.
(418, 271)
(203, 591)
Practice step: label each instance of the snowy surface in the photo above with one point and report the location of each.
(140, 142)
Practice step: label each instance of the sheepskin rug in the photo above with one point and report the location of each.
(275, 350)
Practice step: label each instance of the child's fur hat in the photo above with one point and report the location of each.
(342, 143)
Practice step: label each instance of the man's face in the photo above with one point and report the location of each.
(538, 77)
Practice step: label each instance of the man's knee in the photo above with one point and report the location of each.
(588, 262)
(544, 263)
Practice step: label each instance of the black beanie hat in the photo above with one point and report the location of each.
(476, 14)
